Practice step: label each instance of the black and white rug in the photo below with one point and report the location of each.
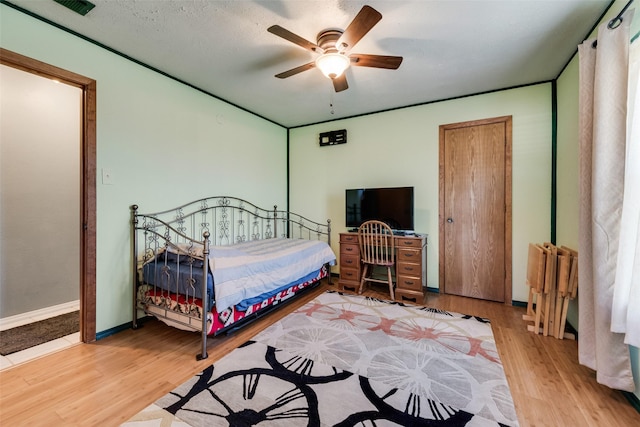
(345, 360)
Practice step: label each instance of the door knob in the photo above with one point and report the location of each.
(449, 220)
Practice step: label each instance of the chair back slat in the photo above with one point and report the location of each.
(376, 243)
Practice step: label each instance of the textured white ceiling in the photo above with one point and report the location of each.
(451, 48)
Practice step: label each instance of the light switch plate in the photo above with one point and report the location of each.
(107, 176)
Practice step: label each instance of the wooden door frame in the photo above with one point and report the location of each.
(87, 179)
(507, 120)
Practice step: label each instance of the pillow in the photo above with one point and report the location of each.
(181, 258)
(186, 250)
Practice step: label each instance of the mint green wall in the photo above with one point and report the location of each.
(400, 148)
(165, 144)
(568, 170)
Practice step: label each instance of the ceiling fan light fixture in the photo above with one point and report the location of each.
(333, 64)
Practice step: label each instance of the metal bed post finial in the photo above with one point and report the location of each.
(205, 295)
(275, 221)
(134, 266)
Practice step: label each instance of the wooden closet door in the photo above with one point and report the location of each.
(475, 213)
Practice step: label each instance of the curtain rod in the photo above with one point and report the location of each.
(615, 22)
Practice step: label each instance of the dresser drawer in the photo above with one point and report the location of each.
(349, 238)
(411, 283)
(348, 260)
(409, 269)
(408, 242)
(409, 255)
(348, 274)
(349, 249)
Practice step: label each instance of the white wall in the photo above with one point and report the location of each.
(39, 195)
(165, 144)
(400, 148)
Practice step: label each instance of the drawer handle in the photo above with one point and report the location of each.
(349, 261)
(408, 242)
(348, 249)
(409, 268)
(409, 282)
(408, 255)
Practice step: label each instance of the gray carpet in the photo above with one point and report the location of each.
(27, 336)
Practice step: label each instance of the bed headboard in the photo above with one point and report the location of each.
(222, 220)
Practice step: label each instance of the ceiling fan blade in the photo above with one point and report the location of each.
(296, 70)
(376, 61)
(361, 24)
(340, 83)
(294, 38)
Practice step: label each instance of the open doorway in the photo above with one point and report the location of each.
(87, 189)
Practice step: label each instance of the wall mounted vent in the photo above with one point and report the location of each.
(334, 137)
(79, 6)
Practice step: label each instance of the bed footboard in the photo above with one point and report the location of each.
(184, 235)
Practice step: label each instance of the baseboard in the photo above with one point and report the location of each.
(40, 314)
(119, 328)
(633, 400)
(513, 302)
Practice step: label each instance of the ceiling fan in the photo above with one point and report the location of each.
(334, 47)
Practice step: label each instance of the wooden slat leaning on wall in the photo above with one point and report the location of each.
(552, 277)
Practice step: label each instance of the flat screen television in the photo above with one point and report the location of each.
(393, 206)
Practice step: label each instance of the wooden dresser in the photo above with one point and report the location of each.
(350, 268)
(411, 266)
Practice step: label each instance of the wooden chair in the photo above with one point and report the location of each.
(377, 249)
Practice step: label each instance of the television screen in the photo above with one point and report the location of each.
(394, 206)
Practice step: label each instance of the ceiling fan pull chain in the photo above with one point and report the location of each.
(331, 110)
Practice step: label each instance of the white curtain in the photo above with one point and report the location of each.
(602, 123)
(625, 317)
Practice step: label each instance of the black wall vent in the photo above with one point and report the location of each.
(334, 137)
(79, 6)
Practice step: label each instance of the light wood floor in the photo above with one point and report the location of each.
(105, 383)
